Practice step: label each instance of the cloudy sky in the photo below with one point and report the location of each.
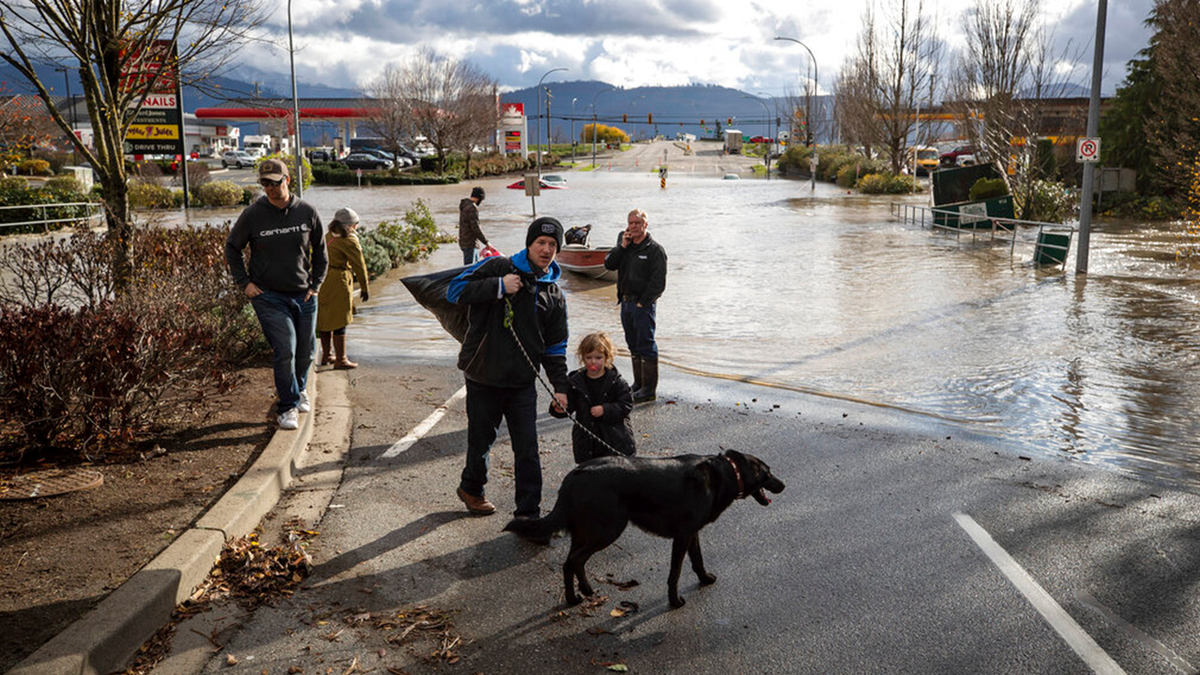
(633, 43)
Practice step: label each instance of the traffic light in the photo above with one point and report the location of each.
(624, 118)
(701, 122)
(729, 121)
(649, 118)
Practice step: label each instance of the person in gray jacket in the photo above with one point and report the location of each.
(287, 265)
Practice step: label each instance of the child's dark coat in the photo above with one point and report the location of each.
(613, 426)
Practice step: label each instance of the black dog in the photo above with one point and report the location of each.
(671, 497)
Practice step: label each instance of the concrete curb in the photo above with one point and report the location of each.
(104, 639)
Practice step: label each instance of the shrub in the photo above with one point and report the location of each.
(987, 188)
(64, 185)
(249, 194)
(220, 193)
(198, 175)
(34, 167)
(377, 258)
(795, 159)
(1048, 201)
(10, 185)
(14, 192)
(149, 171)
(57, 160)
(97, 376)
(887, 183)
(143, 195)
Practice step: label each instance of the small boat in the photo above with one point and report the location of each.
(579, 257)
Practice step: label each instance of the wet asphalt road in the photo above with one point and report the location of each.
(864, 564)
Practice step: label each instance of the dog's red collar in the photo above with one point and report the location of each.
(738, 474)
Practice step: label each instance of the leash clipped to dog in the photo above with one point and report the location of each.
(508, 323)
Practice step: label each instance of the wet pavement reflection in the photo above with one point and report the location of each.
(822, 292)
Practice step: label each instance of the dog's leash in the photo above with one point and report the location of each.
(508, 323)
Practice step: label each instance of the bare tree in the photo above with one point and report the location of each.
(451, 103)
(1005, 74)
(106, 41)
(893, 67)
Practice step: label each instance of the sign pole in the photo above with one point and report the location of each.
(1093, 128)
(183, 157)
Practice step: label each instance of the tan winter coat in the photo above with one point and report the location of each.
(335, 308)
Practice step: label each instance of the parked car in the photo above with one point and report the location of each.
(926, 160)
(760, 139)
(964, 160)
(398, 161)
(560, 184)
(554, 181)
(362, 160)
(319, 156)
(951, 158)
(237, 159)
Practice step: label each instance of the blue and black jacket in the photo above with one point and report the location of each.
(490, 354)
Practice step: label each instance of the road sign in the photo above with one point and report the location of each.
(1087, 150)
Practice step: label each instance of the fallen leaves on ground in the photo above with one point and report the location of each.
(254, 575)
(623, 585)
(624, 607)
(422, 623)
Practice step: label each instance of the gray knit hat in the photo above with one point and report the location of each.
(346, 216)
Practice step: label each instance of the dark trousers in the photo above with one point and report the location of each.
(639, 324)
(470, 255)
(485, 407)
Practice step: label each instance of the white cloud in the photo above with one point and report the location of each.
(626, 42)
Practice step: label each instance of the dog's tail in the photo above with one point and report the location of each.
(539, 530)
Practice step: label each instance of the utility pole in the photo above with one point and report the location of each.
(71, 103)
(295, 110)
(573, 130)
(1093, 129)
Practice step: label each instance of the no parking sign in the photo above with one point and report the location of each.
(1087, 150)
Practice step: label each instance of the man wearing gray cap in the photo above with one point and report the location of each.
(287, 265)
(469, 231)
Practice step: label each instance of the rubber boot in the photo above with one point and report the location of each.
(637, 373)
(326, 349)
(649, 389)
(339, 346)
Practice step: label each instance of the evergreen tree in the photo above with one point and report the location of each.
(1124, 126)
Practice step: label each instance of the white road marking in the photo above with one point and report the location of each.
(423, 428)
(1137, 634)
(1083, 644)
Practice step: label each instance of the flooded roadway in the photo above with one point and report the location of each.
(820, 292)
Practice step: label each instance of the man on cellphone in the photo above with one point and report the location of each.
(641, 265)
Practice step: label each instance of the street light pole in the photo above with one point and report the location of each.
(71, 103)
(1093, 129)
(815, 80)
(538, 111)
(573, 130)
(295, 110)
(594, 97)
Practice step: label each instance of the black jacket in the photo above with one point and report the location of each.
(468, 224)
(489, 354)
(641, 270)
(613, 427)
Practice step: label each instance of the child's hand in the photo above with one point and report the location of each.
(597, 411)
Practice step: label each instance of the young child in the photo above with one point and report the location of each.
(601, 401)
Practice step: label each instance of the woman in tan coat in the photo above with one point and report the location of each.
(335, 303)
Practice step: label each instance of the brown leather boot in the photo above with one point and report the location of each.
(339, 346)
(326, 350)
(479, 506)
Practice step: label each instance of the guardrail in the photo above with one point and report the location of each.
(93, 211)
(1049, 246)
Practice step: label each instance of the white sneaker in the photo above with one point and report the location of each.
(304, 405)
(289, 420)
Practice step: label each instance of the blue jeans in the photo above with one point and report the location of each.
(639, 324)
(470, 255)
(485, 406)
(288, 322)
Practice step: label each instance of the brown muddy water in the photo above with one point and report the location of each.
(821, 292)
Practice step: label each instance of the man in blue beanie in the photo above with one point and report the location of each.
(500, 362)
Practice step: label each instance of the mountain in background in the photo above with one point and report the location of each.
(674, 109)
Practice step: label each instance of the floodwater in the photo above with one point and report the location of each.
(821, 292)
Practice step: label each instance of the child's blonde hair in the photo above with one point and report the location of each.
(597, 342)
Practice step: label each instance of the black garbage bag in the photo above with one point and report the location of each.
(430, 291)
